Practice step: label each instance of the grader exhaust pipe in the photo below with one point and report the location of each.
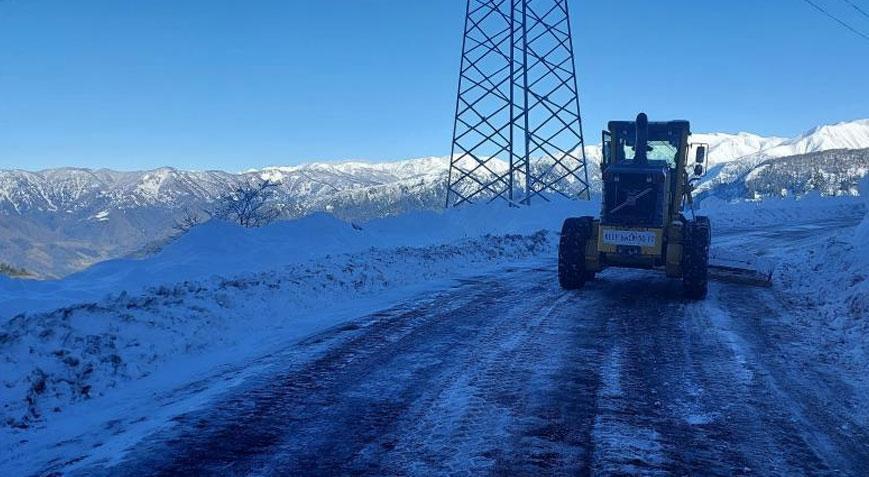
(641, 143)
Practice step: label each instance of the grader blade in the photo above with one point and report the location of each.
(745, 270)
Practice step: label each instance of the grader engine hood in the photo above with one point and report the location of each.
(640, 159)
(635, 195)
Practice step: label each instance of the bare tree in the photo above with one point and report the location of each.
(249, 205)
(190, 219)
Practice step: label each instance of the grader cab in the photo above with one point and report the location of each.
(647, 218)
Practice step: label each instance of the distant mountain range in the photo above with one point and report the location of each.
(832, 172)
(58, 221)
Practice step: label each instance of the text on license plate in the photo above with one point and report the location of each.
(629, 237)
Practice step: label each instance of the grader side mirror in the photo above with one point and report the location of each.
(698, 170)
(701, 155)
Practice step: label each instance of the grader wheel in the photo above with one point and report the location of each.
(575, 233)
(695, 258)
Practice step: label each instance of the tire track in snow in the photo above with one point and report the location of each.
(620, 444)
(808, 411)
(341, 404)
(625, 438)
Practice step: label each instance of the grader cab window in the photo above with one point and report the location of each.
(663, 146)
(657, 151)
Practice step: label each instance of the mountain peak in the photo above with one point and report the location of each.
(842, 135)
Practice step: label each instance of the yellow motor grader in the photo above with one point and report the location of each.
(647, 216)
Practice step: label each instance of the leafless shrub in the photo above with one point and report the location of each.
(190, 219)
(249, 205)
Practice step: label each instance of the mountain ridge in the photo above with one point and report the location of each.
(57, 221)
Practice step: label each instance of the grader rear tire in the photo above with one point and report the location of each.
(571, 253)
(695, 258)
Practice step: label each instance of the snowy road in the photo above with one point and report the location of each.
(508, 374)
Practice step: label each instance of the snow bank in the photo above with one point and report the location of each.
(829, 280)
(141, 336)
(828, 283)
(223, 287)
(778, 210)
(861, 236)
(77, 352)
(224, 249)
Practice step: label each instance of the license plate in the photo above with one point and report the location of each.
(629, 237)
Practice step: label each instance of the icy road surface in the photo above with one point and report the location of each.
(507, 374)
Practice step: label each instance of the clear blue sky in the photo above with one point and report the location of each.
(236, 84)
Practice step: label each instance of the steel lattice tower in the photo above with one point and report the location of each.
(518, 131)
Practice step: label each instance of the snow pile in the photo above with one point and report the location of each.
(830, 279)
(861, 236)
(737, 216)
(222, 287)
(829, 284)
(224, 249)
(85, 350)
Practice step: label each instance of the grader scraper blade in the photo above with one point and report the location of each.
(745, 270)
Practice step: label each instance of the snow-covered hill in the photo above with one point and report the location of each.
(58, 221)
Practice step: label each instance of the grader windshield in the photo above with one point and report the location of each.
(664, 144)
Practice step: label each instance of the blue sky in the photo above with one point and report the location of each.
(237, 84)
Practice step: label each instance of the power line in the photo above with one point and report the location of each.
(857, 7)
(836, 19)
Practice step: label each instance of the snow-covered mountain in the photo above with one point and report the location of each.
(844, 135)
(725, 169)
(828, 172)
(724, 147)
(57, 221)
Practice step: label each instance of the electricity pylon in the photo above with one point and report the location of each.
(517, 131)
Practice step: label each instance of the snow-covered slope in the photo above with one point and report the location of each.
(220, 248)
